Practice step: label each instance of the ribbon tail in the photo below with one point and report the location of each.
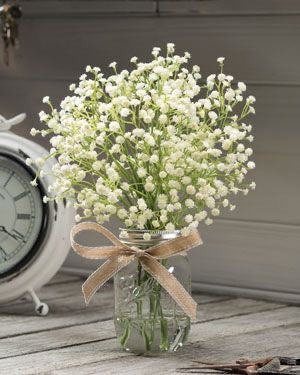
(103, 274)
(171, 284)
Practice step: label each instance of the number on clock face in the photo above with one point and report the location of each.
(21, 215)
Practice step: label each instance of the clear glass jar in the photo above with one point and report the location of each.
(146, 318)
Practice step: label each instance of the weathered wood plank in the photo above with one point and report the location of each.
(52, 292)
(47, 293)
(97, 331)
(249, 44)
(269, 342)
(20, 318)
(63, 313)
(48, 361)
(61, 278)
(61, 358)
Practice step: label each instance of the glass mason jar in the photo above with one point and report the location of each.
(147, 319)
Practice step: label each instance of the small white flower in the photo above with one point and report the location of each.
(147, 236)
(149, 139)
(124, 112)
(46, 99)
(155, 223)
(170, 227)
(97, 165)
(188, 218)
(215, 212)
(134, 59)
(185, 231)
(220, 60)
(221, 77)
(141, 172)
(124, 234)
(251, 99)
(189, 203)
(208, 221)
(221, 167)
(120, 139)
(229, 95)
(113, 65)
(242, 86)
(163, 174)
(46, 199)
(226, 144)
(240, 147)
(190, 189)
(225, 203)
(163, 119)
(114, 126)
(201, 215)
(149, 187)
(34, 132)
(212, 115)
(154, 159)
(125, 186)
(77, 218)
(170, 47)
(211, 78)
(142, 204)
(251, 165)
(122, 214)
(186, 180)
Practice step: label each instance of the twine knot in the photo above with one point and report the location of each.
(137, 252)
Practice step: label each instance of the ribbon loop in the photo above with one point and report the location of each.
(120, 255)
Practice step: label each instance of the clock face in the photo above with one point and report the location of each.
(21, 216)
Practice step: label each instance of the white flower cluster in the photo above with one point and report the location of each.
(156, 146)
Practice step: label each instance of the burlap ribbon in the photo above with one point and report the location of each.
(120, 255)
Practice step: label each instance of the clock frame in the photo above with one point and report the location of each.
(52, 246)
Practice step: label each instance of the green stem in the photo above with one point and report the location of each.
(124, 338)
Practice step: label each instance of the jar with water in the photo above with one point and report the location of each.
(146, 318)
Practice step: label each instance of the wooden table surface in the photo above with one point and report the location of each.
(74, 339)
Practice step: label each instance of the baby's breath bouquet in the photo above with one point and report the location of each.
(157, 146)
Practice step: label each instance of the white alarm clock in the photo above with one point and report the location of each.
(34, 236)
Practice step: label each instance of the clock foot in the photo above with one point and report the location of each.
(41, 308)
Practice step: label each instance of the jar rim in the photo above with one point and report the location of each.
(150, 231)
(136, 236)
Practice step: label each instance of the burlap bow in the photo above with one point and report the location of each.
(121, 255)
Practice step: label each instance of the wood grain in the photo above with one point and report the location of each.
(80, 354)
(74, 339)
(67, 308)
(62, 278)
(98, 330)
(269, 342)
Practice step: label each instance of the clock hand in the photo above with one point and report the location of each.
(2, 229)
(15, 236)
(3, 252)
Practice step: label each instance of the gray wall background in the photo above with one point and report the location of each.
(255, 249)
